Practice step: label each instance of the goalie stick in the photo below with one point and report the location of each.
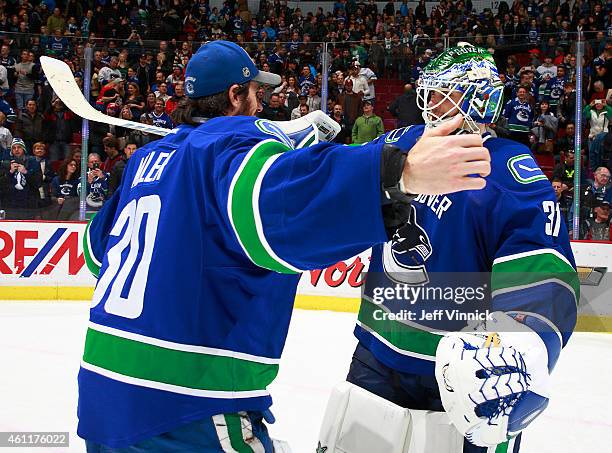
(62, 81)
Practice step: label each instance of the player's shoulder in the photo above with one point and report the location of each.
(245, 130)
(514, 168)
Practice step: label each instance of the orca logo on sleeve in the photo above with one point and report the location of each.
(525, 169)
(405, 256)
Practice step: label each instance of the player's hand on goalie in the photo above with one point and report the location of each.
(493, 380)
(440, 163)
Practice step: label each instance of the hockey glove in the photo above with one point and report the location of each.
(493, 380)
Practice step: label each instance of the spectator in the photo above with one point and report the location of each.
(405, 109)
(97, 183)
(274, 110)
(24, 180)
(6, 138)
(567, 103)
(29, 125)
(564, 200)
(313, 100)
(134, 100)
(519, 112)
(598, 228)
(179, 95)
(368, 126)
(64, 189)
(304, 110)
(162, 92)
(56, 21)
(601, 184)
(344, 136)
(369, 76)
(545, 125)
(565, 170)
(566, 142)
(7, 75)
(351, 103)
(159, 117)
(360, 84)
(112, 152)
(39, 150)
(295, 113)
(60, 124)
(597, 115)
(111, 92)
(24, 86)
(110, 72)
(116, 173)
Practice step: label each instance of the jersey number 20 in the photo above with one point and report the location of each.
(128, 228)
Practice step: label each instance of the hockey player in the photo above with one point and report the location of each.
(199, 252)
(513, 230)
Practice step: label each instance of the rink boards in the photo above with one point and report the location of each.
(45, 261)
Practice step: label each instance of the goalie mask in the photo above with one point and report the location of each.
(471, 74)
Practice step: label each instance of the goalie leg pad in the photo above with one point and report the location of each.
(358, 421)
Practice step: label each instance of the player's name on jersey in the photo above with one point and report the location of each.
(151, 167)
(439, 204)
(432, 315)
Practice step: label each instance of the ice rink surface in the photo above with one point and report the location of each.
(41, 345)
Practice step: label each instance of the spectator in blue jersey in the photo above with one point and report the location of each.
(554, 88)
(8, 111)
(64, 189)
(97, 183)
(519, 112)
(306, 79)
(58, 45)
(159, 117)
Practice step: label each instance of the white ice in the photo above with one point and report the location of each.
(41, 345)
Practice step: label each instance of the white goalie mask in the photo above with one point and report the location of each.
(468, 71)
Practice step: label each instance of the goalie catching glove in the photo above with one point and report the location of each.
(493, 378)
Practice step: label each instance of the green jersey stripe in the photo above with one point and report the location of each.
(502, 448)
(183, 369)
(243, 206)
(93, 264)
(234, 429)
(530, 269)
(405, 338)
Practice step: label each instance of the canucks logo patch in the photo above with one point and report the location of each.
(525, 170)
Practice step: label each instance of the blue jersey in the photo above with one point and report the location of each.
(519, 115)
(199, 254)
(162, 120)
(512, 230)
(554, 90)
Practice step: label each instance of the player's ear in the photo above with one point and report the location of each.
(234, 98)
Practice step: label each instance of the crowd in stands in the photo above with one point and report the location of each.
(141, 48)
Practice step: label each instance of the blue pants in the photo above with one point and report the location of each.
(404, 389)
(243, 432)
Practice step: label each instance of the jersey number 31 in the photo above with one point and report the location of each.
(553, 224)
